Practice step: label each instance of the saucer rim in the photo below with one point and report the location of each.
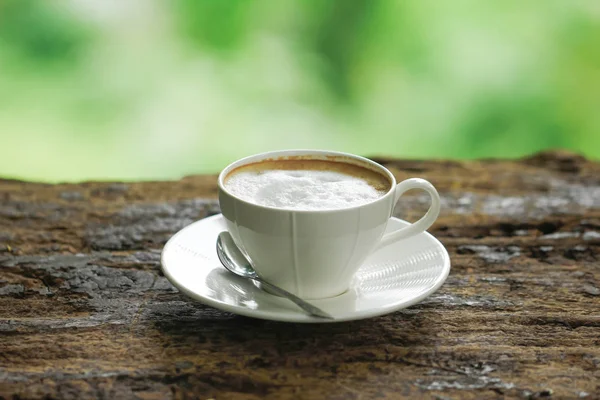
(286, 315)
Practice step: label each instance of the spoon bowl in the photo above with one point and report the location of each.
(232, 258)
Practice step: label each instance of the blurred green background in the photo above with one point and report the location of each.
(156, 89)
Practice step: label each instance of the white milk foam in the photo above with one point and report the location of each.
(301, 189)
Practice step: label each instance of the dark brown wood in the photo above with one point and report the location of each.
(86, 313)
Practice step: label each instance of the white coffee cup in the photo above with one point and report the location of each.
(315, 254)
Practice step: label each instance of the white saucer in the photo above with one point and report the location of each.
(392, 278)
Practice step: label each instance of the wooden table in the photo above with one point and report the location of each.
(86, 313)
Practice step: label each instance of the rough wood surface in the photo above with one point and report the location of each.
(86, 313)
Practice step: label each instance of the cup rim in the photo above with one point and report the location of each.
(304, 152)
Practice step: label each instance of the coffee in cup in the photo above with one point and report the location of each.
(306, 184)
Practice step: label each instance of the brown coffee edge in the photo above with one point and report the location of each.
(352, 162)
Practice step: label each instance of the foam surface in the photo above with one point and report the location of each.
(302, 189)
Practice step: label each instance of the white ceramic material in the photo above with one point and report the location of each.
(315, 254)
(391, 278)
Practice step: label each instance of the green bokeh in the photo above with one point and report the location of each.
(158, 90)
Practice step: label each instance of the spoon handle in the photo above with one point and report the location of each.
(309, 308)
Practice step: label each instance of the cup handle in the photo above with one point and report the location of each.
(425, 222)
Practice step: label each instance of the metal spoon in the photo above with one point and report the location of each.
(234, 261)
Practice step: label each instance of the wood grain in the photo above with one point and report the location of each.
(86, 313)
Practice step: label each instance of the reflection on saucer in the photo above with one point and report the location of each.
(411, 274)
(231, 289)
